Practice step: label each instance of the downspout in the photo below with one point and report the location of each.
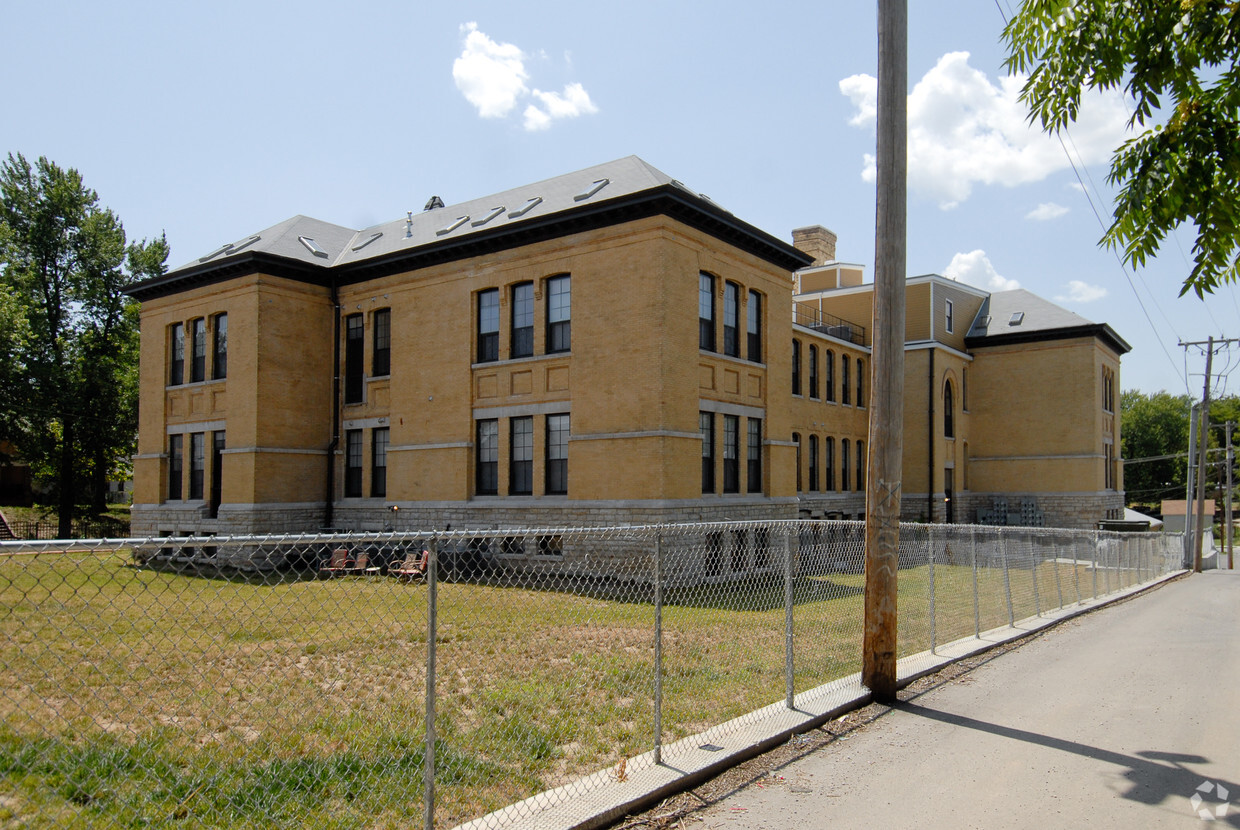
(930, 443)
(329, 513)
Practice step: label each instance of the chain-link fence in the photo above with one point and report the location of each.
(283, 681)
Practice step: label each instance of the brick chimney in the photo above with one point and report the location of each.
(816, 241)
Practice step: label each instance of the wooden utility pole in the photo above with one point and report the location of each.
(886, 434)
(1203, 439)
(1229, 459)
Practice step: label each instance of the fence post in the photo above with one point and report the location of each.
(432, 623)
(790, 685)
(658, 647)
(933, 632)
(1076, 568)
(1055, 562)
(1035, 558)
(1097, 553)
(977, 612)
(1007, 580)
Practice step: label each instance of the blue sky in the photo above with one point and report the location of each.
(211, 121)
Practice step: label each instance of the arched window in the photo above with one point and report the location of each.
(828, 364)
(796, 439)
(813, 463)
(861, 460)
(829, 468)
(860, 383)
(813, 374)
(949, 413)
(796, 367)
(844, 464)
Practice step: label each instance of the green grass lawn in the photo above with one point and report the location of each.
(133, 697)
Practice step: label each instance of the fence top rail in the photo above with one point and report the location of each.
(780, 527)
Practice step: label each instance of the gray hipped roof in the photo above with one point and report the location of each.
(312, 250)
(1021, 317)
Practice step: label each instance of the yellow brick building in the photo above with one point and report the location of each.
(533, 358)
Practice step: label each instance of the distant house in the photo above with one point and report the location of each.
(533, 358)
(1173, 514)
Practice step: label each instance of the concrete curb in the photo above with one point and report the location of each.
(600, 798)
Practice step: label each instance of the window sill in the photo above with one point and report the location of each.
(194, 384)
(518, 360)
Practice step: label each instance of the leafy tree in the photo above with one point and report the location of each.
(69, 394)
(1153, 426)
(1177, 59)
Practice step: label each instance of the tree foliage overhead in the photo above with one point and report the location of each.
(68, 333)
(1177, 60)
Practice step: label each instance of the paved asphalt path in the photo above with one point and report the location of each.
(1111, 720)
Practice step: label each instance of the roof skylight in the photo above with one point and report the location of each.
(1018, 317)
(591, 190)
(477, 223)
(460, 220)
(367, 241)
(311, 246)
(526, 208)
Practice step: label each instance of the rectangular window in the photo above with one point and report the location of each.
(378, 461)
(353, 463)
(217, 472)
(813, 463)
(486, 451)
(861, 465)
(844, 464)
(198, 366)
(813, 372)
(755, 455)
(176, 351)
(860, 383)
(829, 467)
(950, 318)
(845, 389)
(382, 353)
(559, 314)
(731, 319)
(706, 312)
(521, 457)
(174, 467)
(219, 360)
(557, 453)
(522, 320)
(754, 314)
(488, 325)
(354, 329)
(197, 465)
(796, 367)
(706, 428)
(828, 364)
(796, 439)
(731, 454)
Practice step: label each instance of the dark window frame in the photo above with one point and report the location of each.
(860, 383)
(521, 337)
(558, 433)
(559, 314)
(706, 312)
(796, 439)
(706, 429)
(486, 457)
(731, 454)
(218, 445)
(753, 325)
(487, 321)
(521, 456)
(813, 372)
(844, 465)
(845, 388)
(353, 464)
(731, 319)
(176, 467)
(861, 461)
(796, 367)
(828, 484)
(176, 354)
(380, 438)
(354, 356)
(219, 343)
(813, 463)
(949, 411)
(381, 337)
(754, 443)
(828, 365)
(198, 353)
(197, 465)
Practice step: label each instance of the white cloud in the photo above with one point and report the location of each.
(1081, 292)
(976, 269)
(964, 129)
(1046, 212)
(492, 76)
(574, 101)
